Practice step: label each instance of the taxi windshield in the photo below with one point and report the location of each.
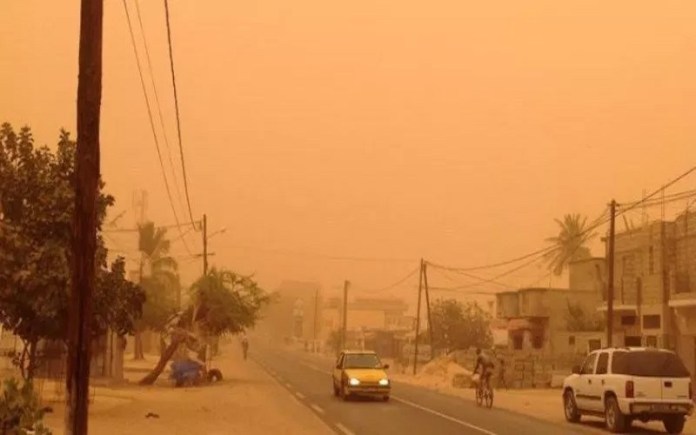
(362, 361)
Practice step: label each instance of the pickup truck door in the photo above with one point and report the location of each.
(583, 386)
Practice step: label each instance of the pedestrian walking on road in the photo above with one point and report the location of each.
(245, 345)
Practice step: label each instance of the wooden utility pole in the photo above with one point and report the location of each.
(344, 330)
(610, 274)
(89, 90)
(427, 307)
(418, 314)
(205, 245)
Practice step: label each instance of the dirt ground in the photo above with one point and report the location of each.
(247, 401)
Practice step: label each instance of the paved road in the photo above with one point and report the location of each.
(412, 410)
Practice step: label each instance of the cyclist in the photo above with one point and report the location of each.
(486, 365)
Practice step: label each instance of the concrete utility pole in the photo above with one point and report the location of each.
(205, 245)
(344, 330)
(610, 274)
(89, 91)
(418, 314)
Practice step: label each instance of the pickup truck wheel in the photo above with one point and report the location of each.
(674, 423)
(572, 414)
(616, 421)
(336, 390)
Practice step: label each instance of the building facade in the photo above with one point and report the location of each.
(295, 312)
(643, 263)
(540, 319)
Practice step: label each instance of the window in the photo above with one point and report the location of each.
(651, 321)
(651, 341)
(628, 320)
(537, 342)
(571, 340)
(633, 341)
(517, 342)
(588, 365)
(649, 363)
(602, 364)
(594, 344)
(651, 260)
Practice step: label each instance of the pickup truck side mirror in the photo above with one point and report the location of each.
(386, 367)
(338, 366)
(577, 370)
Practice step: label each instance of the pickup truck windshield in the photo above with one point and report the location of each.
(652, 364)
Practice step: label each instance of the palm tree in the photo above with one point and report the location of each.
(570, 243)
(162, 278)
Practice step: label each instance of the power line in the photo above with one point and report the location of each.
(661, 189)
(468, 275)
(393, 285)
(135, 230)
(149, 114)
(157, 102)
(493, 279)
(178, 117)
(675, 197)
(543, 251)
(287, 252)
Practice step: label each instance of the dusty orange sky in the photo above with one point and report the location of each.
(450, 130)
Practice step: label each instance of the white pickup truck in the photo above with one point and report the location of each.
(626, 384)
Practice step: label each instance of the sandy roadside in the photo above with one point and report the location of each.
(247, 401)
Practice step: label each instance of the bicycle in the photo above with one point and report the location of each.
(484, 392)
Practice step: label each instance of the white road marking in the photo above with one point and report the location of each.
(344, 429)
(300, 395)
(445, 416)
(288, 385)
(317, 408)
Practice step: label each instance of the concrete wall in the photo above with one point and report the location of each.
(587, 274)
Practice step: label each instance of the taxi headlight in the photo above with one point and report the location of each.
(354, 382)
(384, 382)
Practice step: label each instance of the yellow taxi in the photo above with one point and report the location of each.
(360, 373)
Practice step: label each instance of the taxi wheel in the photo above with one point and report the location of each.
(336, 390)
(385, 398)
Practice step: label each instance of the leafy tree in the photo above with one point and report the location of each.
(20, 409)
(459, 326)
(570, 243)
(225, 303)
(36, 210)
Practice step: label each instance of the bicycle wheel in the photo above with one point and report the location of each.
(479, 396)
(489, 397)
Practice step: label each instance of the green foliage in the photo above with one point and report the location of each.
(20, 410)
(570, 243)
(118, 303)
(460, 326)
(579, 320)
(227, 302)
(37, 204)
